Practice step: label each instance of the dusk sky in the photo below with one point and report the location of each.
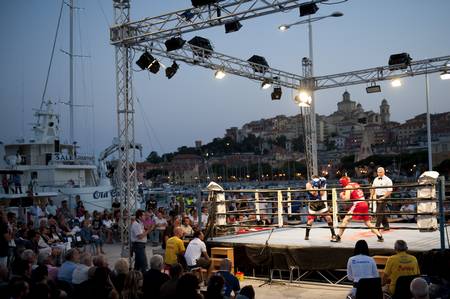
(193, 105)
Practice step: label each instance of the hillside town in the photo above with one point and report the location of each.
(273, 149)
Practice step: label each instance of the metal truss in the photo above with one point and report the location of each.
(213, 60)
(127, 182)
(419, 67)
(195, 19)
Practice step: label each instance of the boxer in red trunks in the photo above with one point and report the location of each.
(353, 193)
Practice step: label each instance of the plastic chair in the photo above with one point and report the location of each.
(369, 288)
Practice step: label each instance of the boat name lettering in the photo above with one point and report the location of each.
(61, 157)
(106, 194)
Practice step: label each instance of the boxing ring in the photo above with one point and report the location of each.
(266, 230)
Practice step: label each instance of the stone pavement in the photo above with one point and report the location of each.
(275, 290)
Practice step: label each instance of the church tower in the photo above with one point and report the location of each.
(384, 112)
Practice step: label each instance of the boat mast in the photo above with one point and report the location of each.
(71, 72)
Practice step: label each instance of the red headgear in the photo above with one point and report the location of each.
(344, 181)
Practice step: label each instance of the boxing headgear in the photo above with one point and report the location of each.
(315, 182)
(323, 182)
(344, 181)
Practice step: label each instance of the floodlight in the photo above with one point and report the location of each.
(266, 84)
(276, 93)
(197, 3)
(147, 61)
(308, 9)
(187, 15)
(232, 26)
(172, 70)
(203, 43)
(396, 83)
(445, 75)
(258, 64)
(174, 43)
(399, 61)
(303, 98)
(373, 88)
(219, 74)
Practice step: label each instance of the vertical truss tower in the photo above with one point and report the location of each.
(125, 124)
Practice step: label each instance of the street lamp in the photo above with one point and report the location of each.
(310, 74)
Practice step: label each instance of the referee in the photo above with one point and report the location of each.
(381, 193)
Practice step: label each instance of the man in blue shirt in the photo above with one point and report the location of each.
(231, 282)
(66, 270)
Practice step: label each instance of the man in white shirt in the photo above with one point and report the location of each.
(196, 254)
(381, 193)
(138, 239)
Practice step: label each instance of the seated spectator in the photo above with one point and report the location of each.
(97, 232)
(231, 282)
(246, 292)
(419, 288)
(188, 287)
(100, 261)
(118, 275)
(101, 286)
(169, 289)
(89, 237)
(400, 264)
(360, 265)
(80, 274)
(215, 288)
(186, 227)
(132, 288)
(174, 247)
(66, 270)
(154, 278)
(19, 289)
(44, 259)
(196, 254)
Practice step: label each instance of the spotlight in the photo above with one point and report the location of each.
(308, 9)
(232, 26)
(203, 43)
(445, 75)
(396, 83)
(197, 3)
(303, 99)
(373, 88)
(219, 74)
(174, 43)
(266, 84)
(283, 27)
(258, 64)
(187, 15)
(399, 61)
(276, 93)
(147, 61)
(172, 70)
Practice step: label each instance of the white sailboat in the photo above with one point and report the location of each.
(48, 168)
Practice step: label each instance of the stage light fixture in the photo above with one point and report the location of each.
(396, 83)
(232, 26)
(283, 27)
(266, 84)
(373, 88)
(187, 15)
(399, 61)
(198, 3)
(276, 93)
(303, 98)
(147, 61)
(219, 74)
(172, 70)
(203, 43)
(258, 64)
(445, 75)
(174, 43)
(308, 9)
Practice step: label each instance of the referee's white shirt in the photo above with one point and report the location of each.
(381, 182)
(137, 228)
